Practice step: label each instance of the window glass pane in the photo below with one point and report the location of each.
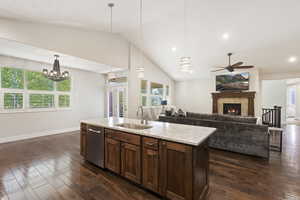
(41, 100)
(143, 86)
(64, 101)
(157, 89)
(156, 100)
(64, 86)
(167, 90)
(144, 100)
(13, 100)
(12, 78)
(37, 81)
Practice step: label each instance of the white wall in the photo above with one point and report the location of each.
(274, 92)
(102, 47)
(152, 73)
(195, 95)
(87, 102)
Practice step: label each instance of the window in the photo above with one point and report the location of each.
(64, 101)
(153, 93)
(157, 89)
(156, 100)
(37, 81)
(41, 100)
(24, 90)
(13, 100)
(167, 90)
(64, 86)
(12, 78)
(143, 86)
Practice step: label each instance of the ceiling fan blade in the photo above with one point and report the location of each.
(218, 70)
(237, 64)
(243, 67)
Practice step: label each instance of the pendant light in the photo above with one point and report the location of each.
(55, 74)
(141, 70)
(185, 61)
(111, 75)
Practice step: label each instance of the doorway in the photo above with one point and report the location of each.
(117, 101)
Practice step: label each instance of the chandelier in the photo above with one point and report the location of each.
(55, 74)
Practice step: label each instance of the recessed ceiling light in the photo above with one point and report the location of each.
(174, 49)
(292, 59)
(225, 36)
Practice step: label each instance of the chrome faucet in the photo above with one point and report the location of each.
(143, 121)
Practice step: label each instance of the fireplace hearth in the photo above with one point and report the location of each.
(232, 108)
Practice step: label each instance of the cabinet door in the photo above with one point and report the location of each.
(131, 162)
(112, 155)
(176, 166)
(150, 169)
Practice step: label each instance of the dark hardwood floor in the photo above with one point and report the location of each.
(51, 168)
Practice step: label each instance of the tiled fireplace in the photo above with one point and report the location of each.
(234, 103)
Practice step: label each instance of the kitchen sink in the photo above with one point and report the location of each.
(134, 126)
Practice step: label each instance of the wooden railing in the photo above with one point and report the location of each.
(272, 116)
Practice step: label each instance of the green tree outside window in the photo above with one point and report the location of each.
(13, 100)
(41, 100)
(37, 81)
(64, 86)
(12, 78)
(64, 101)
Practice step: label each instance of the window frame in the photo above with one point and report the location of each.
(26, 95)
(149, 94)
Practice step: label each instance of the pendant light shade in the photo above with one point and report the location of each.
(185, 64)
(141, 70)
(111, 74)
(55, 74)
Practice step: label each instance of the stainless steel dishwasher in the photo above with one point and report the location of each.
(95, 145)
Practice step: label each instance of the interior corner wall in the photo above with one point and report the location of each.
(274, 92)
(87, 100)
(101, 47)
(152, 73)
(194, 95)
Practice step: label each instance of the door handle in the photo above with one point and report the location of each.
(94, 131)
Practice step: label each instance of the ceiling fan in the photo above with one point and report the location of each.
(231, 67)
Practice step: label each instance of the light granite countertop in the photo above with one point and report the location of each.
(185, 134)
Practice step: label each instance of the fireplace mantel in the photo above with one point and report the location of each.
(248, 95)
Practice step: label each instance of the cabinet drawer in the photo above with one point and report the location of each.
(124, 137)
(150, 143)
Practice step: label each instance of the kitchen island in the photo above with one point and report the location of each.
(171, 160)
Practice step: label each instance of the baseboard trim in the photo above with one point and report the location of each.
(34, 135)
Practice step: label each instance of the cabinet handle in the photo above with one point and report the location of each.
(150, 143)
(94, 131)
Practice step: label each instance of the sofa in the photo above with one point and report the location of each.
(234, 133)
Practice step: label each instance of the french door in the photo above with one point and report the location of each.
(117, 101)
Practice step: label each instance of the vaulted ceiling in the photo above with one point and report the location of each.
(261, 33)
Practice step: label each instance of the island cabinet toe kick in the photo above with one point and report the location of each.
(172, 170)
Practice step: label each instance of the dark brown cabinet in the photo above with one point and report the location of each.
(112, 155)
(83, 130)
(173, 170)
(150, 158)
(176, 165)
(150, 169)
(131, 162)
